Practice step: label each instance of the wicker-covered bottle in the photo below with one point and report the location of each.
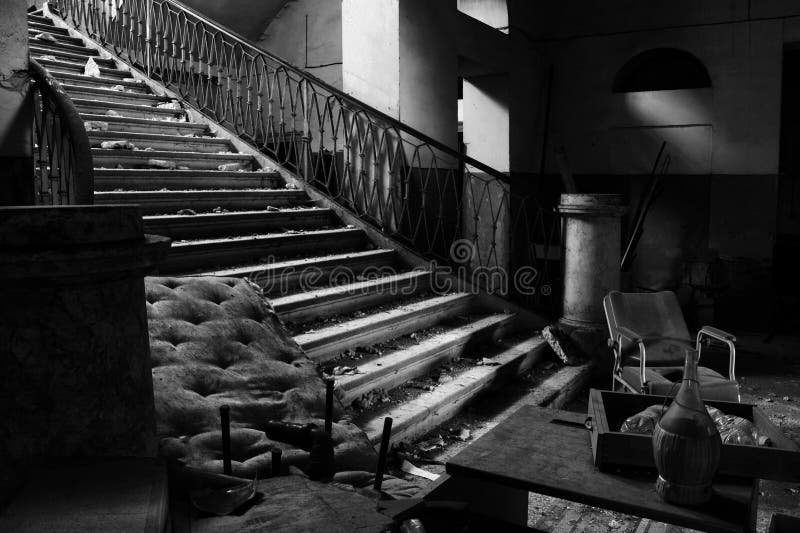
(686, 444)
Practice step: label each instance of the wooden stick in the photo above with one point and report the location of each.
(276, 461)
(329, 383)
(384, 449)
(225, 415)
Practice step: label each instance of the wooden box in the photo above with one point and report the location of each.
(610, 447)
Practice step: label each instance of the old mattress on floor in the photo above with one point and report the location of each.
(216, 341)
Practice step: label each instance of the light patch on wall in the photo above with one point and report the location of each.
(667, 108)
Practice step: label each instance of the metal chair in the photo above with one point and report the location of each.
(649, 339)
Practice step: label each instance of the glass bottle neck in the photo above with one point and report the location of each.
(690, 366)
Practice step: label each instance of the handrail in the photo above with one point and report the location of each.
(65, 170)
(401, 126)
(454, 210)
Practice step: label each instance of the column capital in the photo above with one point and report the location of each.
(592, 205)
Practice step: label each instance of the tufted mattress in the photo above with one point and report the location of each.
(216, 341)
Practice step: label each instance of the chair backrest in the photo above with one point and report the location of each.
(649, 314)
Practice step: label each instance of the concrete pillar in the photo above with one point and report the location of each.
(74, 347)
(591, 230)
(16, 111)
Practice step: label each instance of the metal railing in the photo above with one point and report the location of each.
(63, 170)
(468, 217)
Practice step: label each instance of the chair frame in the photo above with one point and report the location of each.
(620, 332)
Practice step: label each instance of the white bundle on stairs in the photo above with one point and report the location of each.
(91, 69)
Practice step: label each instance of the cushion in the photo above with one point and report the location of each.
(665, 381)
(216, 341)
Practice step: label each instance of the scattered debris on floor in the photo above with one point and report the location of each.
(563, 346)
(91, 69)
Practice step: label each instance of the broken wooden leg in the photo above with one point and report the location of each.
(384, 450)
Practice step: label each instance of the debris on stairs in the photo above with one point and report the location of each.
(359, 309)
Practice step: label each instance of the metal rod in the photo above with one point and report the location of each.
(276, 461)
(384, 449)
(225, 416)
(329, 383)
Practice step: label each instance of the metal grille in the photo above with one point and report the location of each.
(470, 219)
(62, 153)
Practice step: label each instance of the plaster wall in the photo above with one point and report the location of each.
(246, 17)
(308, 34)
(16, 150)
(370, 53)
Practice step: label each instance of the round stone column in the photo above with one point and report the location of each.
(591, 230)
(74, 347)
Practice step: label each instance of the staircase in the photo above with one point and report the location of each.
(231, 213)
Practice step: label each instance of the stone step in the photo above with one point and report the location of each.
(141, 125)
(169, 202)
(179, 143)
(238, 222)
(49, 47)
(184, 257)
(107, 94)
(147, 179)
(107, 83)
(58, 66)
(398, 367)
(46, 26)
(39, 19)
(149, 112)
(193, 160)
(66, 55)
(326, 343)
(59, 36)
(328, 301)
(281, 277)
(418, 416)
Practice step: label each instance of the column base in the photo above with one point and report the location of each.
(591, 339)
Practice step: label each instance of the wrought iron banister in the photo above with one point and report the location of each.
(62, 152)
(447, 206)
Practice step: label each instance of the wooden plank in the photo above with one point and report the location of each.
(282, 276)
(427, 411)
(326, 343)
(529, 451)
(235, 222)
(392, 369)
(781, 461)
(330, 301)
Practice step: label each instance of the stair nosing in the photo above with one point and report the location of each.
(169, 154)
(378, 373)
(327, 335)
(94, 117)
(306, 261)
(261, 237)
(462, 389)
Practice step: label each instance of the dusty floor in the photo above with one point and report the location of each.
(769, 376)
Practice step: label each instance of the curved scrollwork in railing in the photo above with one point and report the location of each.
(441, 203)
(62, 154)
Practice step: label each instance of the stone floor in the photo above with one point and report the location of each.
(769, 376)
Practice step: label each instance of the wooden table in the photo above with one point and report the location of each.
(549, 452)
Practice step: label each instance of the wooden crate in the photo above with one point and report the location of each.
(610, 447)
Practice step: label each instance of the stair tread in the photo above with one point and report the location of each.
(170, 154)
(193, 193)
(396, 360)
(93, 82)
(320, 336)
(132, 136)
(51, 28)
(321, 294)
(234, 214)
(144, 121)
(261, 237)
(76, 48)
(297, 263)
(188, 173)
(85, 102)
(57, 63)
(60, 37)
(67, 55)
(463, 387)
(72, 88)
